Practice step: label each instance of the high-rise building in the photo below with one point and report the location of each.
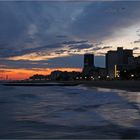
(116, 59)
(88, 64)
(111, 61)
(88, 60)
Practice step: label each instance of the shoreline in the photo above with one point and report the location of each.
(132, 85)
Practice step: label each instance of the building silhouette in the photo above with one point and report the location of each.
(88, 64)
(88, 60)
(116, 60)
(120, 64)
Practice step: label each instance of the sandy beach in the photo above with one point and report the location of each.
(123, 85)
(131, 85)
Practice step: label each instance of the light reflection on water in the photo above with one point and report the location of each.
(68, 112)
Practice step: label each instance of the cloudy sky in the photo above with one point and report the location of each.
(41, 36)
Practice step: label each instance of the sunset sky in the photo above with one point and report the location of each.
(38, 37)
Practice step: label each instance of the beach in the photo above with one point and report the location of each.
(123, 85)
(131, 85)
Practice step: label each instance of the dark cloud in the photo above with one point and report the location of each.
(61, 36)
(60, 51)
(25, 64)
(5, 52)
(101, 19)
(137, 41)
(74, 42)
(138, 30)
(81, 46)
(135, 48)
(3, 66)
(96, 48)
(42, 26)
(30, 27)
(106, 47)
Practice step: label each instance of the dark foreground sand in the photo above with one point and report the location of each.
(123, 85)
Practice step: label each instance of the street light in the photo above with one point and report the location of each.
(92, 77)
(99, 77)
(77, 78)
(107, 76)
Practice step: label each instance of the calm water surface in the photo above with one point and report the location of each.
(68, 112)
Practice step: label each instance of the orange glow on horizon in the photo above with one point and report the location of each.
(21, 74)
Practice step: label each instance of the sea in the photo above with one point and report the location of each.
(69, 112)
